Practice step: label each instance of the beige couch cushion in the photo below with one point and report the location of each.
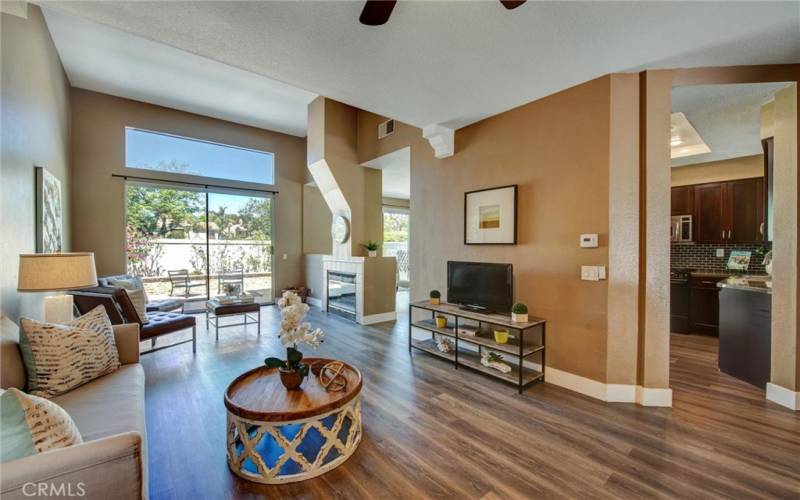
(11, 367)
(108, 405)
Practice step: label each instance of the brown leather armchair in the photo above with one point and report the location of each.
(120, 310)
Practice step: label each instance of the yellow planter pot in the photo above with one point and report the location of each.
(441, 322)
(501, 336)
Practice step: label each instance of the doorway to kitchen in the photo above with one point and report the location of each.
(722, 140)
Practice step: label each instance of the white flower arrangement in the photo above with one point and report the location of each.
(293, 331)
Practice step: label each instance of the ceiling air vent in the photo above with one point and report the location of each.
(385, 128)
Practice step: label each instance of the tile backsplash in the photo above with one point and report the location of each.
(703, 257)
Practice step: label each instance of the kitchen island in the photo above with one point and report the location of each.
(745, 316)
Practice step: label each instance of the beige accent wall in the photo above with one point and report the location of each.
(623, 215)
(557, 150)
(35, 112)
(785, 331)
(731, 169)
(317, 219)
(655, 95)
(768, 119)
(348, 188)
(98, 145)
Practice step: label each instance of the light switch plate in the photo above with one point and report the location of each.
(720, 252)
(589, 273)
(589, 240)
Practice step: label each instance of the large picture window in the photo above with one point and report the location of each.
(169, 153)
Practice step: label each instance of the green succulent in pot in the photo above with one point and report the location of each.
(519, 313)
(435, 296)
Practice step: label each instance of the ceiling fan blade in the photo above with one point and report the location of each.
(376, 12)
(512, 4)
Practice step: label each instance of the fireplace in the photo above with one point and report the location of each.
(342, 294)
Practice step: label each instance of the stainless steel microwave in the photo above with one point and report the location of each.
(681, 230)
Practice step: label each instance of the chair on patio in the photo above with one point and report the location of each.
(402, 268)
(180, 278)
(235, 277)
(163, 305)
(120, 310)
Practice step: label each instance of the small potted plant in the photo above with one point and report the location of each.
(436, 297)
(293, 333)
(441, 321)
(229, 289)
(372, 248)
(519, 313)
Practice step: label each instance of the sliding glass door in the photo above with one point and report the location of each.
(241, 245)
(395, 241)
(197, 244)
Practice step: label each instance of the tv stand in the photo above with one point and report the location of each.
(526, 340)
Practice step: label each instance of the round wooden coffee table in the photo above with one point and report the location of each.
(280, 436)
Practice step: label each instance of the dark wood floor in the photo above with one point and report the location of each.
(432, 432)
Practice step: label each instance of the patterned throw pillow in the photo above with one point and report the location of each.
(31, 425)
(137, 294)
(61, 357)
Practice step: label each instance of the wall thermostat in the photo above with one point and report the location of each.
(589, 241)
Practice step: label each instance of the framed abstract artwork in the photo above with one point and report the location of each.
(490, 216)
(49, 212)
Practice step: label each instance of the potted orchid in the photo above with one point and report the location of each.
(293, 333)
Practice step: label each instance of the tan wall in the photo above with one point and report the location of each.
(35, 131)
(785, 331)
(623, 238)
(745, 167)
(98, 142)
(557, 150)
(348, 188)
(317, 219)
(768, 119)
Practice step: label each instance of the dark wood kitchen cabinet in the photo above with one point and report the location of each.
(727, 212)
(704, 305)
(683, 200)
(745, 210)
(709, 217)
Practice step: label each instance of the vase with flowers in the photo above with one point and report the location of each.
(294, 332)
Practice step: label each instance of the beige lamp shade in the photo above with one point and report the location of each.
(47, 272)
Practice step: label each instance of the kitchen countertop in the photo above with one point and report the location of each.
(709, 274)
(760, 284)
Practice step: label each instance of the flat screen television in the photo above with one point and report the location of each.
(480, 286)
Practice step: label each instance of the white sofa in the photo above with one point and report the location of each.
(109, 413)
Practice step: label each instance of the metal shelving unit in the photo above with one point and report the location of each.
(520, 375)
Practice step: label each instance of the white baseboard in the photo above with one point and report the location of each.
(315, 302)
(783, 396)
(650, 396)
(575, 383)
(611, 393)
(620, 393)
(378, 318)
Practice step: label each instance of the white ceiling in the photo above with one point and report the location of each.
(395, 169)
(454, 63)
(99, 58)
(727, 117)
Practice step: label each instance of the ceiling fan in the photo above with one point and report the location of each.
(377, 12)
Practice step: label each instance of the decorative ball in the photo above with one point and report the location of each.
(331, 377)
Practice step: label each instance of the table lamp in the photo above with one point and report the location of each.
(50, 272)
